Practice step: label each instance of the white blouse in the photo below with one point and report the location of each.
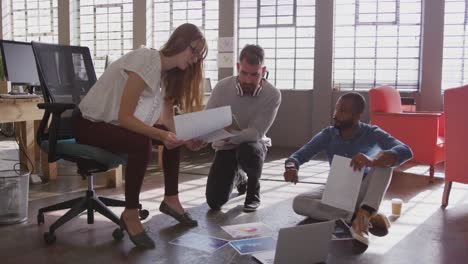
(102, 102)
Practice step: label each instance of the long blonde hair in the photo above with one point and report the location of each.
(185, 87)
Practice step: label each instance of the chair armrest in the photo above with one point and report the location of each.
(50, 132)
(56, 107)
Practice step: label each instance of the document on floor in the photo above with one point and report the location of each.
(204, 243)
(207, 125)
(253, 245)
(343, 184)
(247, 230)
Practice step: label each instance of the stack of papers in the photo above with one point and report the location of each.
(207, 125)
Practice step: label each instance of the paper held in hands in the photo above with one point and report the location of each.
(207, 125)
(343, 184)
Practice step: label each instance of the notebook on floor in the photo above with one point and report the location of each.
(304, 244)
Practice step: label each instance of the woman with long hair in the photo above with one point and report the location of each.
(131, 107)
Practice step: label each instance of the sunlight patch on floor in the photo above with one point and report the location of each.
(414, 213)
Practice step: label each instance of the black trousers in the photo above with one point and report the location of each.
(225, 172)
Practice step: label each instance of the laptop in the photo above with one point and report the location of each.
(304, 244)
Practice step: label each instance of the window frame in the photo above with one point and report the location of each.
(51, 34)
(203, 27)
(308, 82)
(125, 43)
(355, 85)
(463, 71)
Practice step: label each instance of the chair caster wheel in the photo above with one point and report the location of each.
(49, 238)
(118, 234)
(143, 214)
(40, 219)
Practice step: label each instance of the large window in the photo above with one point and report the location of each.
(28, 20)
(455, 63)
(106, 27)
(167, 15)
(377, 42)
(285, 29)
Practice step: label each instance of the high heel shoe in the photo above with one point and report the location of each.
(141, 240)
(185, 218)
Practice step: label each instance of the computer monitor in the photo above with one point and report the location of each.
(19, 63)
(207, 89)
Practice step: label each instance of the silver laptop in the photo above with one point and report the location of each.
(304, 244)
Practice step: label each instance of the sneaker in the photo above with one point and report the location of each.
(379, 225)
(360, 227)
(251, 206)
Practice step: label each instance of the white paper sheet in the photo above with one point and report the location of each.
(225, 44)
(201, 124)
(215, 136)
(247, 229)
(343, 184)
(225, 60)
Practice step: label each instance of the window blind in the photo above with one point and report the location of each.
(167, 15)
(105, 27)
(455, 58)
(28, 20)
(285, 29)
(377, 42)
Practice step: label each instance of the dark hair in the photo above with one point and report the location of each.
(359, 103)
(185, 88)
(254, 54)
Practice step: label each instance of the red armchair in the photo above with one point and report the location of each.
(423, 132)
(456, 132)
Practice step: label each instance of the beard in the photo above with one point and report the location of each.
(340, 125)
(248, 88)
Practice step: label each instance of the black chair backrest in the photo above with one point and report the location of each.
(66, 74)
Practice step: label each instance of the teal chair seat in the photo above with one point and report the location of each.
(69, 147)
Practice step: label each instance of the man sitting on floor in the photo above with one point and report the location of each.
(369, 147)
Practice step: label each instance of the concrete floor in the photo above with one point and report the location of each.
(424, 233)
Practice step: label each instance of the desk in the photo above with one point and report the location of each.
(26, 116)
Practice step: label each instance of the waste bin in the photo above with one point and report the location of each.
(14, 190)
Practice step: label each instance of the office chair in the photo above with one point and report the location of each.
(66, 74)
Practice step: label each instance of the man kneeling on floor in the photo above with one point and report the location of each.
(254, 103)
(370, 148)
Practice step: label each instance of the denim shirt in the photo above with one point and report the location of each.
(367, 139)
